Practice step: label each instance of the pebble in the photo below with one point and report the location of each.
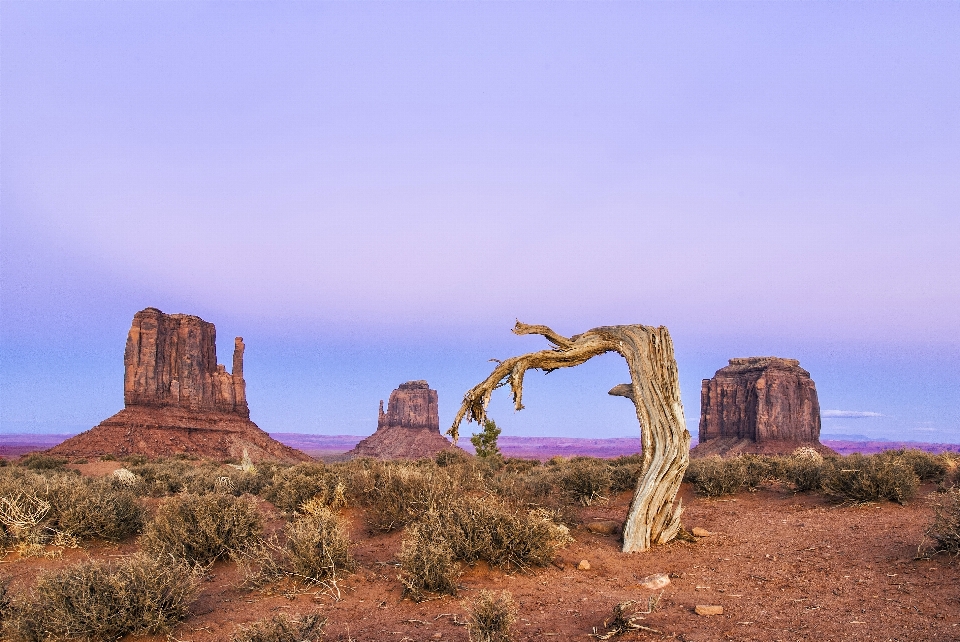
(655, 581)
(708, 609)
(701, 532)
(584, 565)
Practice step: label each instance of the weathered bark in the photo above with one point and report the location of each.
(654, 389)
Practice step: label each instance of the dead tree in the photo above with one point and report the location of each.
(654, 389)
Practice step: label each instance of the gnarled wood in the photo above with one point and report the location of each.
(654, 389)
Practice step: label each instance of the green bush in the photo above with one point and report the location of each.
(279, 628)
(95, 600)
(203, 528)
(491, 617)
(860, 479)
(485, 441)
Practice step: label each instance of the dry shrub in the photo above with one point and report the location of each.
(317, 546)
(715, 476)
(170, 476)
(41, 461)
(87, 508)
(482, 528)
(927, 466)
(39, 508)
(451, 457)
(945, 529)
(586, 479)
(804, 469)
(395, 494)
(291, 487)
(279, 628)
(427, 563)
(203, 528)
(96, 600)
(491, 617)
(625, 473)
(860, 479)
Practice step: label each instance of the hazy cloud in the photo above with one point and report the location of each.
(848, 414)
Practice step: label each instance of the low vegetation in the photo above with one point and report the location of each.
(453, 511)
(96, 600)
(945, 529)
(280, 628)
(491, 616)
(203, 528)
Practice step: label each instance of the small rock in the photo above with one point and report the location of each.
(708, 609)
(437, 636)
(558, 562)
(701, 532)
(584, 565)
(605, 527)
(655, 581)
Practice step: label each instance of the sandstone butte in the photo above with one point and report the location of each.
(178, 399)
(409, 429)
(765, 405)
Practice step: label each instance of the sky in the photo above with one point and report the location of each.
(371, 193)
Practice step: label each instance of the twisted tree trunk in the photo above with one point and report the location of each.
(654, 389)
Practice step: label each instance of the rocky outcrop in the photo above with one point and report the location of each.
(409, 429)
(178, 399)
(759, 405)
(171, 361)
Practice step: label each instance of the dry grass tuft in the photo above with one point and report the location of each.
(279, 628)
(491, 617)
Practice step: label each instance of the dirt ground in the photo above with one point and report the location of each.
(782, 566)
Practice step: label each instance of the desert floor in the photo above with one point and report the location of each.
(783, 567)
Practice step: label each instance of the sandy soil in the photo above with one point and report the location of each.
(782, 566)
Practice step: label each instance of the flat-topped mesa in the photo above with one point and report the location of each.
(171, 361)
(412, 405)
(409, 429)
(759, 404)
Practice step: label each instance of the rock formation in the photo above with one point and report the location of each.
(178, 399)
(759, 405)
(409, 429)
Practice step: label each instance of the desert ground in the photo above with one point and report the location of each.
(782, 565)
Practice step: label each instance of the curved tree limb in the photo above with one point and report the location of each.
(655, 391)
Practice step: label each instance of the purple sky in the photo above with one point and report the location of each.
(371, 193)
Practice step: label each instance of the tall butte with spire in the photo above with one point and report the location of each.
(178, 399)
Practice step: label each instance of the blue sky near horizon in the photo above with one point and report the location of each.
(373, 192)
